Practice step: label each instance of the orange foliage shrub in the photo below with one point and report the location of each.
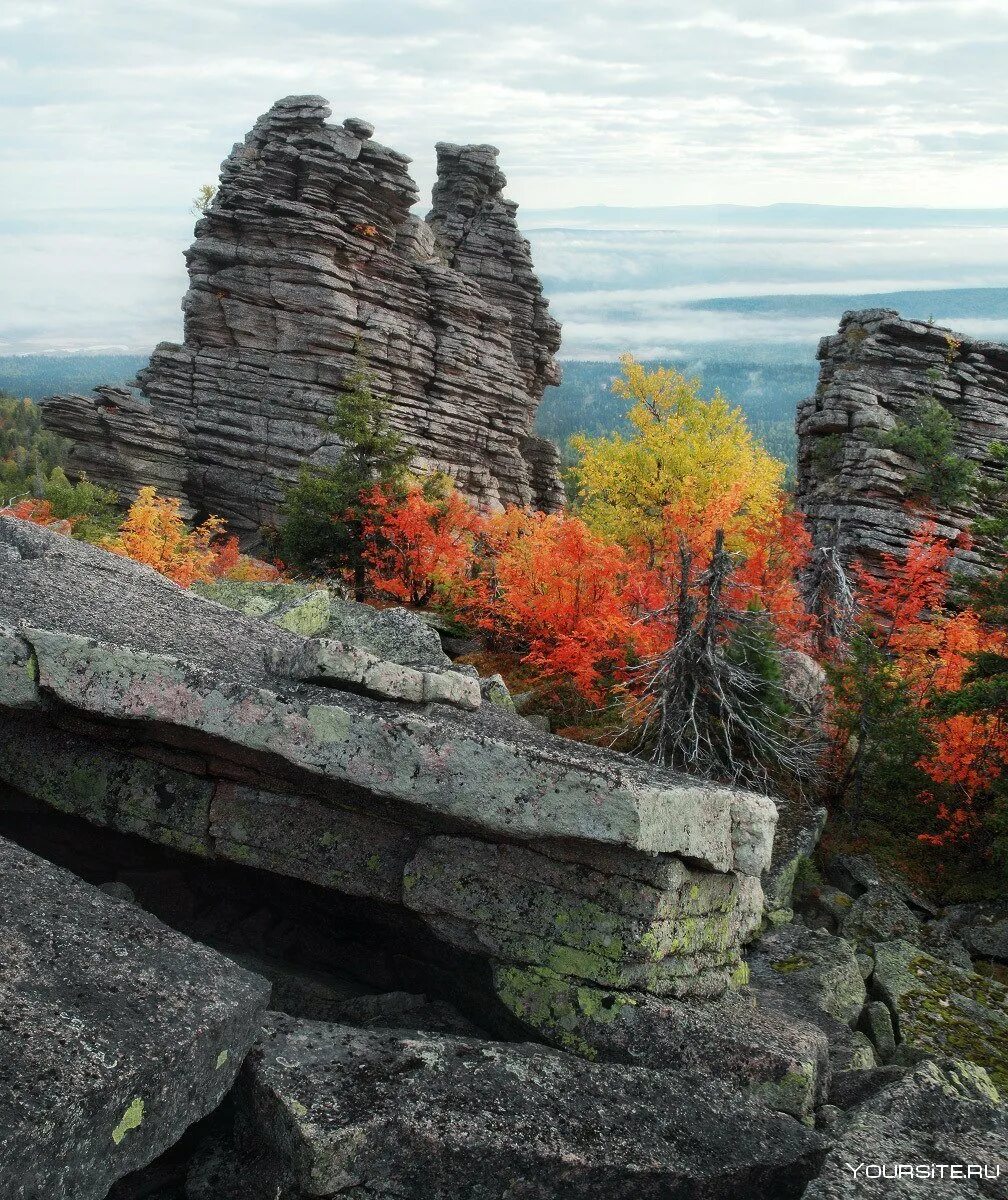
(932, 650)
(566, 595)
(417, 545)
(154, 533)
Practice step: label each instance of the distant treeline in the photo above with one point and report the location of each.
(767, 393)
(40, 375)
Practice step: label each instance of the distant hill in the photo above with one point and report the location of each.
(40, 375)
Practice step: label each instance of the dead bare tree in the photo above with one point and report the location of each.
(830, 597)
(713, 704)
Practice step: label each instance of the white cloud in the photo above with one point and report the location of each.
(110, 105)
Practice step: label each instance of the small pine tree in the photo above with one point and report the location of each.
(325, 513)
(941, 474)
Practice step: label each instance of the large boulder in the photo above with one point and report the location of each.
(142, 707)
(325, 1109)
(880, 915)
(939, 1131)
(118, 1033)
(943, 1010)
(822, 968)
(756, 1046)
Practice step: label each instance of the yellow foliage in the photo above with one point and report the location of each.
(154, 533)
(687, 454)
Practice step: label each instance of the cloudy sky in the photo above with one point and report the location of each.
(112, 114)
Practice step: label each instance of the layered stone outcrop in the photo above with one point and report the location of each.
(307, 258)
(568, 870)
(876, 373)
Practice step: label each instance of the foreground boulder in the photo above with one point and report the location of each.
(137, 705)
(941, 1009)
(117, 1032)
(328, 1109)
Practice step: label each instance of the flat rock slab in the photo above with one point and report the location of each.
(396, 1113)
(117, 1032)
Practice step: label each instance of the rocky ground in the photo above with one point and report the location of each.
(294, 907)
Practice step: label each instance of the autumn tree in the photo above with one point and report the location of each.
(418, 540)
(684, 453)
(154, 532)
(560, 595)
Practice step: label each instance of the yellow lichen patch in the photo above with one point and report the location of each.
(131, 1119)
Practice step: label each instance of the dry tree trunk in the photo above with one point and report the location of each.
(709, 710)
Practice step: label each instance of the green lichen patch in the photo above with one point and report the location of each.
(786, 966)
(793, 1093)
(556, 1008)
(947, 1011)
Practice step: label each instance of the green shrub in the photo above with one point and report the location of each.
(926, 438)
(322, 514)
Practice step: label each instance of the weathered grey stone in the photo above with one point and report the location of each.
(495, 691)
(798, 832)
(877, 1023)
(823, 906)
(371, 1114)
(939, 1119)
(859, 873)
(18, 670)
(880, 915)
(823, 968)
(983, 927)
(677, 935)
(307, 253)
(875, 371)
(162, 719)
(756, 1047)
(118, 1033)
(942, 1010)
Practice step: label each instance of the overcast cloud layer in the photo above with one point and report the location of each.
(114, 113)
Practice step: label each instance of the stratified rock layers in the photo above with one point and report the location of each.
(307, 254)
(876, 373)
(580, 880)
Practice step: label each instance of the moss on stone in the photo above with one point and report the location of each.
(794, 1093)
(786, 966)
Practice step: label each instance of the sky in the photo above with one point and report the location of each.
(113, 113)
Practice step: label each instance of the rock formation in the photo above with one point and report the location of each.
(308, 253)
(157, 712)
(876, 372)
(118, 1033)
(499, 962)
